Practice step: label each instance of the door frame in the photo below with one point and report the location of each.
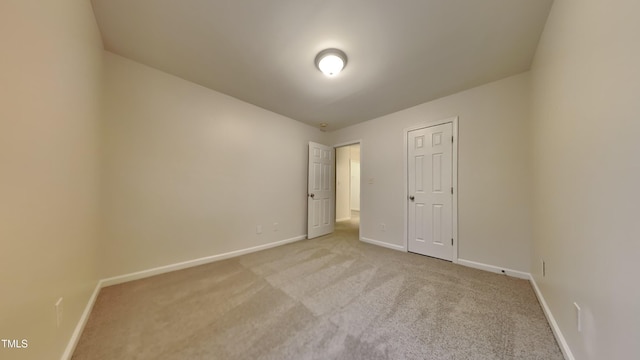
(348, 143)
(454, 179)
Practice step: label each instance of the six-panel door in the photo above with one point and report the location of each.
(321, 187)
(430, 223)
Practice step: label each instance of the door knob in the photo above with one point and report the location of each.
(411, 197)
(312, 195)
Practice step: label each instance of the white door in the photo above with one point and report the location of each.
(320, 196)
(430, 196)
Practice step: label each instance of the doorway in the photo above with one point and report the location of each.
(348, 185)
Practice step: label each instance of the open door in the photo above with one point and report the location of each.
(321, 191)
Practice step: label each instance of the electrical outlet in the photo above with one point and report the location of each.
(259, 229)
(275, 226)
(578, 317)
(383, 227)
(59, 310)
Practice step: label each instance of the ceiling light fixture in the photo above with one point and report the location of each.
(331, 61)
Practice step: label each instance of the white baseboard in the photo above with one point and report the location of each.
(564, 347)
(73, 342)
(71, 346)
(494, 269)
(343, 219)
(195, 262)
(383, 244)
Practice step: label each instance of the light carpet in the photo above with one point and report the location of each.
(329, 298)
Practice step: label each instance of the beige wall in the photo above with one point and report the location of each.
(586, 131)
(494, 171)
(50, 74)
(190, 172)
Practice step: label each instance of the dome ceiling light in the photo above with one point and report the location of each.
(331, 61)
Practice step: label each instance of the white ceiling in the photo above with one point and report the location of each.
(400, 52)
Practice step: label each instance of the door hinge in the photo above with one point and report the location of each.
(452, 190)
(451, 242)
(452, 139)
